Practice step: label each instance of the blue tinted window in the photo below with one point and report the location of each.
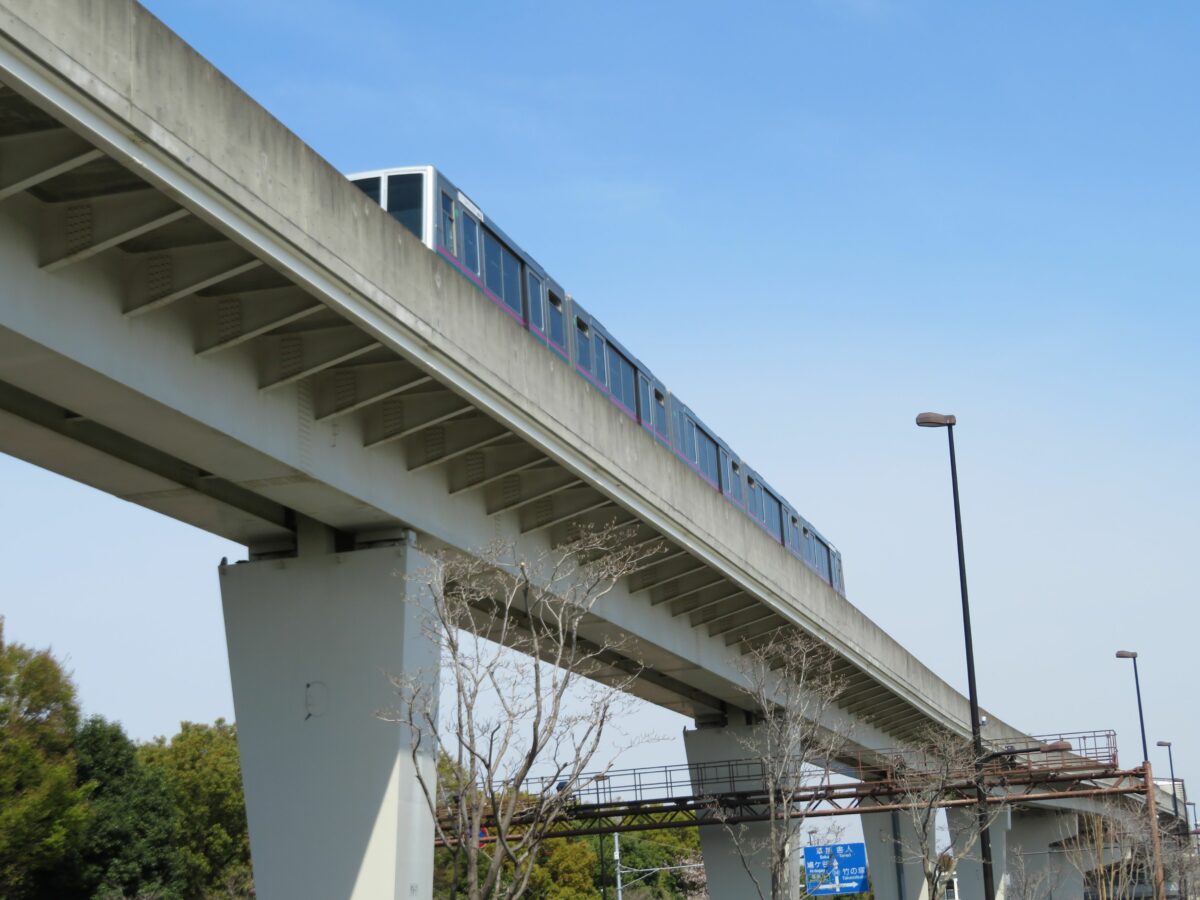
(533, 287)
(689, 438)
(470, 254)
(660, 413)
(558, 330)
(772, 513)
(583, 345)
(706, 449)
(821, 558)
(493, 264)
(369, 186)
(449, 237)
(512, 282)
(404, 201)
(735, 481)
(601, 358)
(644, 411)
(621, 379)
(614, 372)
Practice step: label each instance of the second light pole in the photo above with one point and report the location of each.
(937, 420)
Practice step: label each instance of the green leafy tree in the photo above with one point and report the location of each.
(130, 846)
(565, 870)
(202, 769)
(43, 812)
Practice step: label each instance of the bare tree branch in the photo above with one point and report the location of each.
(534, 700)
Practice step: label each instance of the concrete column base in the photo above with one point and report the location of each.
(739, 875)
(333, 803)
(893, 856)
(970, 869)
(1038, 866)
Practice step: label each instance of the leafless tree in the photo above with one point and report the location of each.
(1030, 878)
(532, 698)
(937, 769)
(1111, 850)
(789, 678)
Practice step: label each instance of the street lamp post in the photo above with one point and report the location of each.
(1137, 684)
(1160, 889)
(1174, 792)
(937, 420)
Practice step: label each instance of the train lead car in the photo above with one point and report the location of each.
(449, 223)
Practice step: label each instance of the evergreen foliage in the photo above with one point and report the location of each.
(131, 845)
(201, 766)
(43, 810)
(85, 813)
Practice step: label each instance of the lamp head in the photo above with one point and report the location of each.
(935, 420)
(1164, 743)
(1055, 747)
(1126, 654)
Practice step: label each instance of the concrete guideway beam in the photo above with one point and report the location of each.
(73, 232)
(31, 159)
(312, 641)
(327, 240)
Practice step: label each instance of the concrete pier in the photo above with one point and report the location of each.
(334, 806)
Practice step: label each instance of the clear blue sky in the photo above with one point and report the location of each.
(813, 220)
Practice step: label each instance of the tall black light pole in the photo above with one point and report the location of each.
(937, 420)
(1174, 793)
(1137, 684)
(1160, 882)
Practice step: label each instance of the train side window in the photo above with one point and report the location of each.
(645, 413)
(689, 438)
(793, 537)
(405, 201)
(754, 498)
(583, 345)
(512, 280)
(822, 559)
(493, 264)
(558, 330)
(735, 481)
(369, 186)
(533, 291)
(660, 413)
(600, 346)
(773, 515)
(621, 379)
(449, 235)
(707, 450)
(470, 247)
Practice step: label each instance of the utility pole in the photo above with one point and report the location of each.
(617, 860)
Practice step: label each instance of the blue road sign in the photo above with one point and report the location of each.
(835, 869)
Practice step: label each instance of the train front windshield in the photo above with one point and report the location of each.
(401, 195)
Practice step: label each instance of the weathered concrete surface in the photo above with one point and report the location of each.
(122, 78)
(332, 798)
(893, 856)
(737, 857)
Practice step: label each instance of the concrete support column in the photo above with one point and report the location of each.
(729, 874)
(962, 824)
(333, 803)
(1038, 867)
(893, 856)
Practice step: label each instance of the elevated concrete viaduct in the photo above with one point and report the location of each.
(201, 316)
